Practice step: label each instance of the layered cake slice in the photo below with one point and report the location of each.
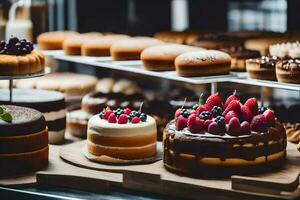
(23, 140)
(122, 134)
(218, 139)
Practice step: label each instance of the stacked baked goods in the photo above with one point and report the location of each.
(121, 134)
(23, 141)
(50, 103)
(53, 40)
(17, 57)
(109, 92)
(220, 139)
(203, 63)
(162, 57)
(131, 49)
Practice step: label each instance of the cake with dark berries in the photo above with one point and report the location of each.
(121, 134)
(17, 57)
(221, 139)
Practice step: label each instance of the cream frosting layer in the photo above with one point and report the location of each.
(153, 145)
(54, 115)
(102, 127)
(56, 137)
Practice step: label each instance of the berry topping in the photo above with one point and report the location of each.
(195, 107)
(259, 123)
(202, 108)
(14, 46)
(143, 117)
(270, 117)
(122, 119)
(234, 127)
(213, 128)
(178, 113)
(194, 124)
(112, 118)
(262, 109)
(107, 113)
(229, 99)
(185, 114)
(181, 123)
(252, 105)
(246, 113)
(205, 115)
(101, 114)
(217, 111)
(221, 123)
(214, 100)
(207, 123)
(230, 115)
(233, 106)
(127, 111)
(135, 120)
(245, 128)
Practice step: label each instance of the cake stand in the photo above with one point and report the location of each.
(45, 71)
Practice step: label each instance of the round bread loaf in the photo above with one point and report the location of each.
(131, 49)
(203, 63)
(162, 57)
(53, 40)
(72, 45)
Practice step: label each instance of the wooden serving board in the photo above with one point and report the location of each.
(283, 184)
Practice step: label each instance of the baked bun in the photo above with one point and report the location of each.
(262, 68)
(53, 40)
(288, 71)
(131, 49)
(72, 45)
(162, 57)
(101, 46)
(203, 63)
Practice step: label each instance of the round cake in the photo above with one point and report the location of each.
(122, 134)
(283, 50)
(53, 40)
(50, 103)
(77, 121)
(162, 57)
(288, 71)
(23, 141)
(131, 49)
(17, 57)
(203, 63)
(101, 46)
(73, 45)
(262, 68)
(221, 139)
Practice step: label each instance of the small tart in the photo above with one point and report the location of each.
(288, 71)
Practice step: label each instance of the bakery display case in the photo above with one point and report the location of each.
(191, 100)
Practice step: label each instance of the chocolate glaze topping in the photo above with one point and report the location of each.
(241, 52)
(289, 65)
(265, 61)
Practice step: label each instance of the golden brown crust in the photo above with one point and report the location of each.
(53, 40)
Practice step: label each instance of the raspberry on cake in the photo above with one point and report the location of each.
(122, 134)
(217, 139)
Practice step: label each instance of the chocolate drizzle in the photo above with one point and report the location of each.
(265, 61)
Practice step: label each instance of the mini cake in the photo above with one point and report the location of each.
(131, 49)
(50, 103)
(101, 46)
(17, 57)
(122, 134)
(203, 63)
(288, 71)
(53, 40)
(77, 121)
(162, 57)
(239, 56)
(262, 44)
(71, 84)
(262, 68)
(72, 45)
(23, 141)
(220, 139)
(282, 50)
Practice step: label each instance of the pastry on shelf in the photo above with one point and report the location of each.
(262, 68)
(283, 50)
(262, 44)
(177, 37)
(203, 63)
(23, 141)
(238, 57)
(18, 57)
(50, 103)
(223, 138)
(71, 84)
(288, 70)
(121, 134)
(131, 49)
(292, 131)
(162, 57)
(101, 46)
(73, 45)
(53, 40)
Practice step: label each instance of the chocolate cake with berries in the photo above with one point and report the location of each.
(121, 134)
(17, 57)
(220, 139)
